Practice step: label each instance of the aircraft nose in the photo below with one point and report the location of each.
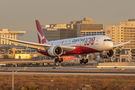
(111, 45)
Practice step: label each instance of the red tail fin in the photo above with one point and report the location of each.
(41, 37)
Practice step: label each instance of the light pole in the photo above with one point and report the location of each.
(12, 80)
(13, 76)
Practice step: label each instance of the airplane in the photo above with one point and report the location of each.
(80, 45)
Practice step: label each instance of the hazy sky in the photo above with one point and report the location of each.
(20, 15)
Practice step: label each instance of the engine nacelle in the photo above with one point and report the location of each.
(55, 51)
(106, 54)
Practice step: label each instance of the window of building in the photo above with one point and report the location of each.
(113, 27)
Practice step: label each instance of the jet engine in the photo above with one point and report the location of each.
(106, 54)
(55, 51)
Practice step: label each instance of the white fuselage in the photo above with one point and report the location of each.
(97, 42)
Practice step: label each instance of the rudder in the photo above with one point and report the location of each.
(41, 37)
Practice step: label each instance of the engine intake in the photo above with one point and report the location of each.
(107, 54)
(55, 51)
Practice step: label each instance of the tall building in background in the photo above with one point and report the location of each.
(80, 28)
(59, 31)
(122, 33)
(9, 34)
(88, 28)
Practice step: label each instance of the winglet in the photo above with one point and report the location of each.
(41, 37)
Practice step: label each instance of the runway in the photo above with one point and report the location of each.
(81, 68)
(69, 73)
(69, 70)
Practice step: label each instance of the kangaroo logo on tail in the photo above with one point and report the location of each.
(41, 37)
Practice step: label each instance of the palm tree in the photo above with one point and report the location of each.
(123, 51)
(132, 50)
(117, 50)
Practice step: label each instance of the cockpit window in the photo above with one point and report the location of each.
(107, 40)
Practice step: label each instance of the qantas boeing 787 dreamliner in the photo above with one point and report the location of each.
(80, 45)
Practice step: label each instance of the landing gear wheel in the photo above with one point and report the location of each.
(81, 61)
(86, 61)
(60, 60)
(56, 60)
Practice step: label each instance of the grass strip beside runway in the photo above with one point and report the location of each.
(67, 82)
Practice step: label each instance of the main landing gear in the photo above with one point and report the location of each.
(57, 62)
(58, 59)
(84, 60)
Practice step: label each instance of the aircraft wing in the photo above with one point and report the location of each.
(29, 44)
(122, 43)
(37, 45)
